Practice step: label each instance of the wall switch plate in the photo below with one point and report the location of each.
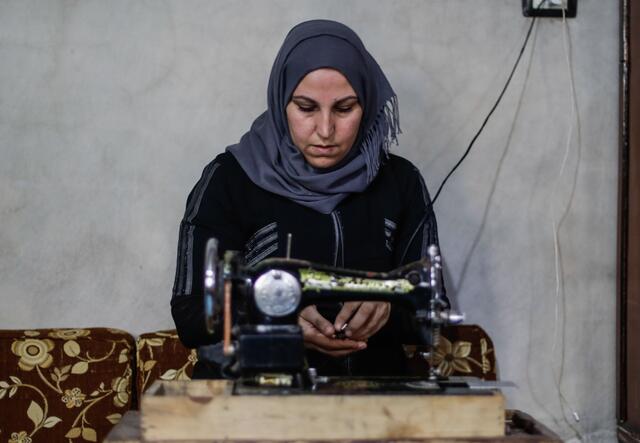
(549, 8)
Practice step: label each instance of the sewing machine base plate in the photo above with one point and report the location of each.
(369, 386)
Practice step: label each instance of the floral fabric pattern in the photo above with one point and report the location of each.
(32, 353)
(121, 386)
(73, 398)
(161, 355)
(448, 357)
(69, 334)
(56, 384)
(463, 350)
(20, 437)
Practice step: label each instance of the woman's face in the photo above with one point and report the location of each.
(324, 117)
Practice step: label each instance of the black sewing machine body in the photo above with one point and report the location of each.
(255, 309)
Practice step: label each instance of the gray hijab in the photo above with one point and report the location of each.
(267, 154)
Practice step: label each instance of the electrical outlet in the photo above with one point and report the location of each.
(549, 8)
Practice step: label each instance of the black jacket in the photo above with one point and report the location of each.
(375, 230)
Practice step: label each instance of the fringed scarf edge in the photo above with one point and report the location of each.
(383, 132)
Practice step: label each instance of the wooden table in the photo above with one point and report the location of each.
(520, 428)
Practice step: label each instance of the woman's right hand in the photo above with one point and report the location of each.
(319, 334)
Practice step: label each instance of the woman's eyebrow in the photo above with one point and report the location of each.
(345, 99)
(302, 97)
(338, 101)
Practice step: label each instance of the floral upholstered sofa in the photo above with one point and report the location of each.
(64, 384)
(74, 385)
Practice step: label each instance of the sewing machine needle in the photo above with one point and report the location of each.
(289, 237)
(346, 323)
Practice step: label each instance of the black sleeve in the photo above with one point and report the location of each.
(418, 229)
(416, 233)
(210, 212)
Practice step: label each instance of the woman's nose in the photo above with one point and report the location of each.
(325, 125)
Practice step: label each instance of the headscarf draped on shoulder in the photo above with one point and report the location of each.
(267, 154)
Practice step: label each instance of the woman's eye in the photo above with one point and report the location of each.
(306, 108)
(344, 110)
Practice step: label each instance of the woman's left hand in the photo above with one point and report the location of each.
(364, 318)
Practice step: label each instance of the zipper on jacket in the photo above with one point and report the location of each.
(338, 254)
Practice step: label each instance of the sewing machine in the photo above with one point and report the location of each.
(255, 310)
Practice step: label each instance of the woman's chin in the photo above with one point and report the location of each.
(323, 158)
(322, 162)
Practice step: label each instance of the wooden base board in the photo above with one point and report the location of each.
(206, 410)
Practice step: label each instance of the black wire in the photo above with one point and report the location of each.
(524, 46)
(429, 208)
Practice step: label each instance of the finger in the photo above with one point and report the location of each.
(360, 318)
(375, 323)
(378, 320)
(311, 315)
(365, 330)
(313, 336)
(332, 344)
(345, 314)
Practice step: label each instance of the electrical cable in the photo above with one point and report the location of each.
(495, 105)
(429, 208)
(559, 287)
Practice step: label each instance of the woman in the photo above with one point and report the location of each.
(316, 164)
